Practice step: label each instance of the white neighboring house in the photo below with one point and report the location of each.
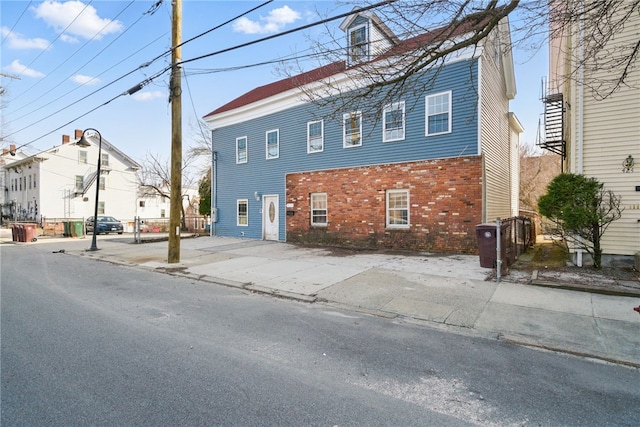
(8, 156)
(61, 182)
(599, 138)
(152, 205)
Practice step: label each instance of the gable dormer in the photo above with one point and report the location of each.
(367, 37)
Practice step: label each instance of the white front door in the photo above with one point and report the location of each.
(270, 217)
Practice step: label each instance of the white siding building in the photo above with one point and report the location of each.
(598, 136)
(61, 182)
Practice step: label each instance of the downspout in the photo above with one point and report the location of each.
(480, 151)
(214, 184)
(580, 115)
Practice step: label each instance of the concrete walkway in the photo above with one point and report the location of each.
(447, 292)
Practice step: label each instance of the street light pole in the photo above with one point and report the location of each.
(84, 143)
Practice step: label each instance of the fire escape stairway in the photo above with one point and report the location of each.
(554, 113)
(89, 178)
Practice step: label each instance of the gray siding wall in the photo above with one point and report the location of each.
(241, 181)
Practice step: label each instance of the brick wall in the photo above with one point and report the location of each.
(445, 199)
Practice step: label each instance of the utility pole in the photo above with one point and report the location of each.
(175, 89)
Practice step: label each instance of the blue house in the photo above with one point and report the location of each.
(420, 175)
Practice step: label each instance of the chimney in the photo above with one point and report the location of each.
(5, 151)
(78, 134)
(12, 148)
(65, 139)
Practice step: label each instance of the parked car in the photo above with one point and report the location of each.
(105, 225)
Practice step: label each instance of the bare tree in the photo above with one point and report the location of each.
(431, 31)
(200, 148)
(154, 178)
(536, 172)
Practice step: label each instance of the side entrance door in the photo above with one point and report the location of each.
(270, 217)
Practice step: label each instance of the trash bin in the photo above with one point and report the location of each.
(14, 232)
(76, 228)
(30, 232)
(67, 228)
(20, 233)
(487, 245)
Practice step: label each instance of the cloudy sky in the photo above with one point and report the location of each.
(68, 65)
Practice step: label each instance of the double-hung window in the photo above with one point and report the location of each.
(103, 183)
(79, 182)
(104, 160)
(352, 129)
(398, 208)
(243, 212)
(273, 144)
(358, 44)
(82, 156)
(241, 149)
(315, 136)
(393, 122)
(319, 209)
(438, 117)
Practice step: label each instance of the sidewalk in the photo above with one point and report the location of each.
(446, 292)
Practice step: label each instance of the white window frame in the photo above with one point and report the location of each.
(246, 150)
(104, 160)
(315, 212)
(266, 137)
(79, 182)
(310, 150)
(438, 111)
(82, 156)
(397, 134)
(246, 215)
(359, 52)
(102, 182)
(101, 208)
(348, 117)
(388, 210)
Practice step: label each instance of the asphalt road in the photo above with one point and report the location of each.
(86, 342)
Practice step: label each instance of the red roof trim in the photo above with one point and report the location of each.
(469, 24)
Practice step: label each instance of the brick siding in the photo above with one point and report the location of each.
(445, 205)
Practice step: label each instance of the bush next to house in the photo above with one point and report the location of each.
(582, 210)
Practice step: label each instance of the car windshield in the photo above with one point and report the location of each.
(107, 219)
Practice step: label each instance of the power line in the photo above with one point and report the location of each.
(140, 85)
(16, 23)
(293, 30)
(158, 74)
(74, 53)
(51, 44)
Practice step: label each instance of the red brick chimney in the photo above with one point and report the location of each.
(5, 151)
(78, 134)
(12, 148)
(65, 139)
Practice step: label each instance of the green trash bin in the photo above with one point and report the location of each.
(77, 229)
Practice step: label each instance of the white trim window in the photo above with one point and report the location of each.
(241, 150)
(243, 212)
(358, 44)
(393, 122)
(104, 159)
(352, 129)
(272, 141)
(315, 136)
(398, 208)
(438, 113)
(82, 156)
(319, 209)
